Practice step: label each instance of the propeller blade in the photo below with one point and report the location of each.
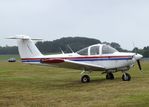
(139, 65)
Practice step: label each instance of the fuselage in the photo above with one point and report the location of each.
(115, 60)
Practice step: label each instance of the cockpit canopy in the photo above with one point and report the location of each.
(97, 49)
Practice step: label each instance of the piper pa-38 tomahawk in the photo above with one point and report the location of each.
(98, 57)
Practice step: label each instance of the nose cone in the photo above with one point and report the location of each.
(138, 56)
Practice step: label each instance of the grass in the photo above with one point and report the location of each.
(6, 57)
(24, 85)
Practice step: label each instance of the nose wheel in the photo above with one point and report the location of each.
(126, 77)
(85, 79)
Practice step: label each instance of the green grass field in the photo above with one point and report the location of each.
(24, 85)
(6, 57)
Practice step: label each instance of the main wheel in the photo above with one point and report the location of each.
(110, 76)
(126, 77)
(85, 79)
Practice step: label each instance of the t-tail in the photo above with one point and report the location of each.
(26, 47)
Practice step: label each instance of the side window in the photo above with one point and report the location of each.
(83, 51)
(94, 50)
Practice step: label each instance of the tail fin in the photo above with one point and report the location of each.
(26, 47)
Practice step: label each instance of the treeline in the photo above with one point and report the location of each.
(144, 51)
(76, 43)
(64, 44)
(8, 50)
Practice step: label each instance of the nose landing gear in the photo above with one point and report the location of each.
(126, 77)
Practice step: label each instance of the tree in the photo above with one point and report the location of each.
(76, 43)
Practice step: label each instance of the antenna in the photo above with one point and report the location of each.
(62, 51)
(70, 48)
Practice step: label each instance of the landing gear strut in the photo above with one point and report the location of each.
(85, 79)
(126, 77)
(110, 76)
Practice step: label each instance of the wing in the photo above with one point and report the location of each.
(82, 65)
(73, 64)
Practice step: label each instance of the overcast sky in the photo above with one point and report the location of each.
(122, 21)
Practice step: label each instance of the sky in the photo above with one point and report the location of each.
(123, 21)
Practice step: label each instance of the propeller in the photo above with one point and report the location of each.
(137, 57)
(139, 65)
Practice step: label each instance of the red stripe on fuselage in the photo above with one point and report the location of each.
(70, 58)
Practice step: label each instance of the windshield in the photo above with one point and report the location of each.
(83, 51)
(106, 49)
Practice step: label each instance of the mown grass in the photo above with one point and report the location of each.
(23, 85)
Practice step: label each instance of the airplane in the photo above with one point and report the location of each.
(98, 57)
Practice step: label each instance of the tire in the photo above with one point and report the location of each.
(126, 77)
(109, 76)
(85, 79)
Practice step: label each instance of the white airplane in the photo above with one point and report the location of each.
(98, 57)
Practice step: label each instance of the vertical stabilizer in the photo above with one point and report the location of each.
(26, 47)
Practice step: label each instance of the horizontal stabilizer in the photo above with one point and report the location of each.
(23, 37)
